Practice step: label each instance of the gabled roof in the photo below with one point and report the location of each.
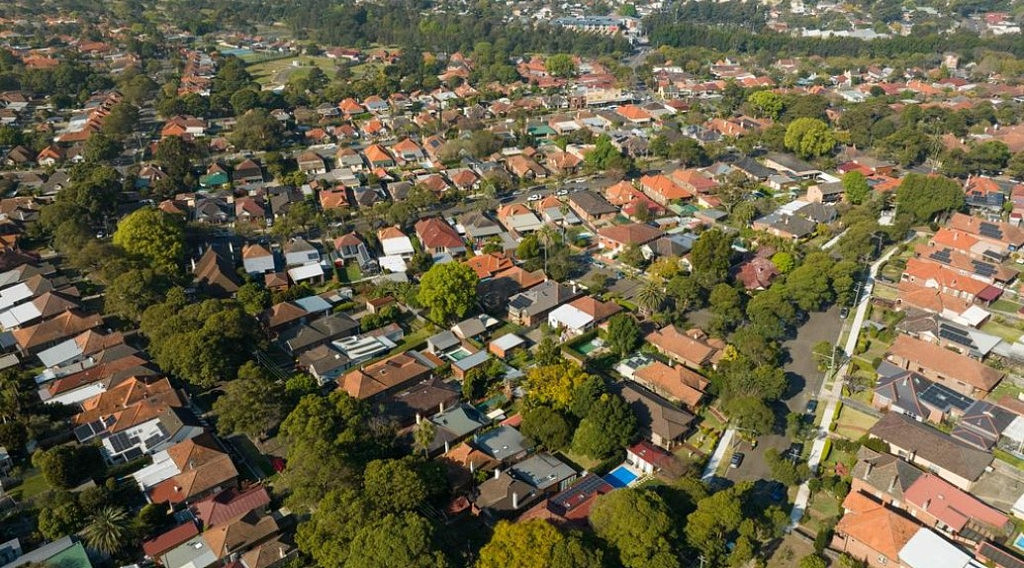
(932, 445)
(677, 382)
(229, 505)
(215, 271)
(384, 375)
(434, 232)
(130, 403)
(688, 346)
(879, 528)
(156, 547)
(631, 234)
(885, 472)
(945, 362)
(655, 414)
(595, 308)
(239, 534)
(64, 325)
(950, 505)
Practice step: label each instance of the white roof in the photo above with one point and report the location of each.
(313, 304)
(63, 351)
(928, 550)
(19, 315)
(570, 317)
(13, 295)
(305, 272)
(1015, 431)
(974, 316)
(1018, 507)
(397, 246)
(162, 468)
(508, 341)
(392, 263)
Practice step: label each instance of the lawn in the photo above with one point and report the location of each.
(853, 423)
(1005, 389)
(823, 508)
(31, 487)
(1000, 329)
(412, 340)
(581, 460)
(352, 272)
(1004, 305)
(789, 553)
(280, 70)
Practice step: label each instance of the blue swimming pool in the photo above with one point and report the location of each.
(620, 477)
(1018, 542)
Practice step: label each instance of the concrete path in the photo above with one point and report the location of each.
(833, 393)
(716, 458)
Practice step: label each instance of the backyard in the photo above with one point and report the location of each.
(853, 423)
(279, 71)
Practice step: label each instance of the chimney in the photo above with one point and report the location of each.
(927, 502)
(515, 500)
(418, 418)
(440, 408)
(892, 483)
(497, 473)
(867, 471)
(472, 465)
(447, 446)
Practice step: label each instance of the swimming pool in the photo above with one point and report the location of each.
(237, 51)
(586, 348)
(1018, 542)
(620, 477)
(459, 354)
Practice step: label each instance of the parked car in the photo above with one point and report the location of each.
(534, 197)
(812, 406)
(561, 192)
(844, 312)
(794, 452)
(777, 492)
(736, 460)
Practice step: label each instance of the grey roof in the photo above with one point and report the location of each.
(479, 225)
(752, 168)
(983, 424)
(818, 212)
(469, 327)
(885, 472)
(592, 203)
(791, 163)
(502, 442)
(542, 297)
(461, 420)
(442, 341)
(299, 337)
(474, 360)
(655, 414)
(313, 304)
(508, 341)
(193, 553)
(932, 445)
(42, 553)
(542, 471)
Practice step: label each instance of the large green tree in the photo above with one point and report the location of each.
(536, 544)
(925, 196)
(109, 530)
(257, 130)
(132, 291)
(448, 291)
(154, 237)
(856, 187)
(610, 426)
(547, 426)
(637, 523)
(809, 137)
(252, 404)
(623, 334)
(711, 257)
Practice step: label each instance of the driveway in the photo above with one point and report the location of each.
(804, 381)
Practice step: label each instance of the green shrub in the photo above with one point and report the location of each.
(826, 448)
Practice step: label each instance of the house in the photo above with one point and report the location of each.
(912, 394)
(440, 343)
(678, 384)
(471, 328)
(998, 235)
(407, 151)
(215, 274)
(386, 376)
(938, 504)
(884, 477)
(933, 275)
(378, 157)
(592, 207)
(572, 506)
(525, 168)
(831, 192)
(35, 338)
(791, 165)
(503, 444)
(321, 331)
(581, 315)
(648, 458)
(299, 252)
(518, 218)
(187, 472)
(931, 449)
(663, 189)
(454, 424)
(326, 363)
(757, 273)
(251, 210)
(169, 540)
(532, 306)
(523, 484)
(247, 172)
(487, 265)
(257, 260)
(958, 372)
(395, 243)
(983, 425)
(662, 422)
(311, 164)
(227, 540)
(872, 532)
(229, 505)
(462, 367)
(618, 237)
(438, 237)
(50, 156)
(350, 246)
(479, 227)
(693, 348)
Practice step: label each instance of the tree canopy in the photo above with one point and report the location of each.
(535, 544)
(153, 236)
(448, 290)
(924, 196)
(637, 523)
(809, 138)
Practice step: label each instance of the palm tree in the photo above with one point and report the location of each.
(108, 530)
(423, 435)
(650, 297)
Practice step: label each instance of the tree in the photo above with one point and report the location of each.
(256, 130)
(66, 466)
(752, 414)
(765, 104)
(716, 520)
(560, 65)
(638, 525)
(988, 157)
(100, 148)
(547, 426)
(13, 436)
(528, 248)
(925, 196)
(121, 120)
(394, 485)
(448, 291)
(651, 296)
(808, 286)
(555, 384)
(175, 155)
(632, 256)
(711, 256)
(108, 530)
(423, 435)
(770, 312)
(604, 156)
(783, 261)
(809, 137)
(253, 297)
(251, 404)
(60, 516)
(153, 236)
(131, 292)
(535, 544)
(395, 541)
(726, 306)
(856, 187)
(609, 426)
(623, 334)
(812, 561)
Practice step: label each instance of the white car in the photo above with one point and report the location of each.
(534, 197)
(561, 192)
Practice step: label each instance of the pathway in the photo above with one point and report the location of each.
(832, 394)
(716, 458)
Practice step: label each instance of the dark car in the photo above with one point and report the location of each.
(737, 460)
(844, 312)
(778, 492)
(794, 452)
(812, 406)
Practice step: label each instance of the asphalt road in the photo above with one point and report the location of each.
(804, 381)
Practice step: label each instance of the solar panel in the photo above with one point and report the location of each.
(954, 329)
(942, 256)
(994, 255)
(990, 230)
(120, 442)
(956, 338)
(578, 492)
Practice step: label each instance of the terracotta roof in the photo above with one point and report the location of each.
(595, 308)
(678, 383)
(686, 346)
(132, 402)
(621, 193)
(156, 547)
(434, 232)
(239, 534)
(376, 154)
(390, 233)
(931, 274)
(950, 505)
(631, 234)
(487, 265)
(195, 451)
(107, 371)
(255, 251)
(381, 376)
(1008, 234)
(230, 504)
(284, 313)
(633, 112)
(266, 554)
(195, 480)
(949, 364)
(930, 299)
(664, 186)
(62, 326)
(876, 526)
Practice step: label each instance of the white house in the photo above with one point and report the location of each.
(395, 243)
(572, 320)
(257, 260)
